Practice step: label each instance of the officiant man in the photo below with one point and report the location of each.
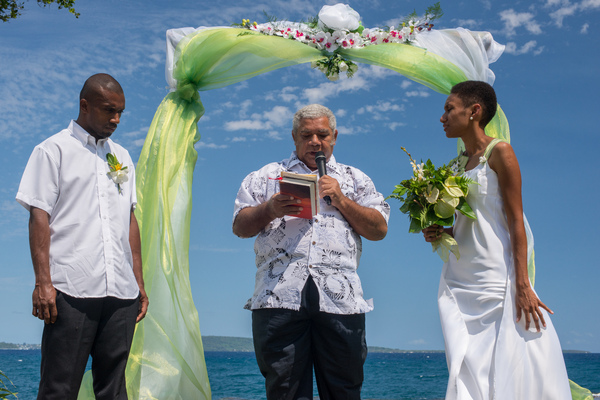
(308, 309)
(85, 248)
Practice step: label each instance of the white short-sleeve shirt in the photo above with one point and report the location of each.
(289, 249)
(67, 176)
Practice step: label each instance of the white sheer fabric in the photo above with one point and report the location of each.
(470, 51)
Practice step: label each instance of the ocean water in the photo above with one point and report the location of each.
(388, 376)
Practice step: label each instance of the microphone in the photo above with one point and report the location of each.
(321, 161)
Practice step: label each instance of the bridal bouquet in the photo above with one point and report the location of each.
(432, 196)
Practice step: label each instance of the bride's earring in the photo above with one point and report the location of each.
(471, 118)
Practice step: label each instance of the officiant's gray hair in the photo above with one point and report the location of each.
(313, 111)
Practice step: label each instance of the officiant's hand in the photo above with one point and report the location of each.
(329, 186)
(283, 204)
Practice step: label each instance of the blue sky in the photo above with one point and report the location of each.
(546, 81)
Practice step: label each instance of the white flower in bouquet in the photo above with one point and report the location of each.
(338, 17)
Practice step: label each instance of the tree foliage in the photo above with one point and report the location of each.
(10, 9)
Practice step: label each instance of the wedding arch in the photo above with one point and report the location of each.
(167, 358)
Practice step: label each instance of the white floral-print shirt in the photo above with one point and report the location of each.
(326, 247)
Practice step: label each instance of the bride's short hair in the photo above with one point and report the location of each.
(478, 92)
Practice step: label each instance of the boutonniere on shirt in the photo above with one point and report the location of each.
(118, 172)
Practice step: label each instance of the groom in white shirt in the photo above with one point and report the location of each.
(85, 248)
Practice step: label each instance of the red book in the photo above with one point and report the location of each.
(303, 187)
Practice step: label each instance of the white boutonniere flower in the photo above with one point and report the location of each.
(118, 172)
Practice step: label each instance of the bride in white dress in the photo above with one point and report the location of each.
(500, 342)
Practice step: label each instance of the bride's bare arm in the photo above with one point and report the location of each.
(504, 162)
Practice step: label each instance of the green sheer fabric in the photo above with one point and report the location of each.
(167, 359)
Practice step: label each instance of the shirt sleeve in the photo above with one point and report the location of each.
(368, 196)
(247, 195)
(257, 187)
(40, 182)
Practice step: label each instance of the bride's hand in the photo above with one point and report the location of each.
(529, 304)
(433, 233)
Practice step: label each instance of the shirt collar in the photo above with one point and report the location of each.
(83, 136)
(295, 161)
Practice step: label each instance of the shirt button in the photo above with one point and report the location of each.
(310, 266)
(316, 220)
(314, 243)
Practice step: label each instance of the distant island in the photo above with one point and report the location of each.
(240, 344)
(228, 343)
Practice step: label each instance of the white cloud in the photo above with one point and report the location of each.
(278, 116)
(468, 23)
(287, 94)
(330, 89)
(529, 47)
(394, 125)
(589, 4)
(584, 29)
(204, 145)
(559, 15)
(381, 111)
(276, 135)
(245, 124)
(513, 20)
(417, 93)
(405, 84)
(268, 120)
(343, 130)
(238, 139)
(568, 9)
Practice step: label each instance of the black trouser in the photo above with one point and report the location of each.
(289, 343)
(101, 327)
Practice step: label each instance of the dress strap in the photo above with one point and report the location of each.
(490, 147)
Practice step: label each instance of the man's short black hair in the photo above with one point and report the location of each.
(92, 86)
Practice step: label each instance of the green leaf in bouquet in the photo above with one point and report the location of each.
(400, 190)
(466, 209)
(405, 208)
(415, 211)
(428, 218)
(415, 226)
(445, 221)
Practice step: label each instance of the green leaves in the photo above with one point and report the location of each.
(10, 9)
(112, 160)
(4, 392)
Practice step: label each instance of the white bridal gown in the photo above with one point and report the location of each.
(489, 355)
